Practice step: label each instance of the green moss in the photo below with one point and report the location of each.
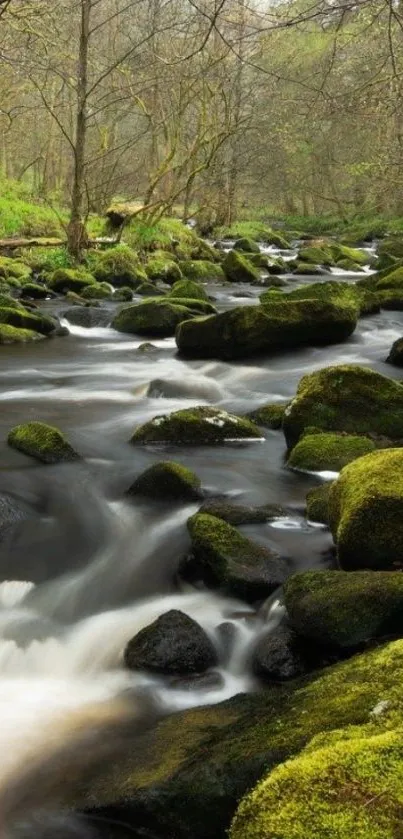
(163, 268)
(247, 330)
(12, 268)
(239, 269)
(237, 514)
(202, 250)
(158, 318)
(41, 441)
(9, 302)
(70, 279)
(46, 260)
(317, 503)
(123, 294)
(196, 426)
(307, 269)
(392, 280)
(96, 291)
(229, 560)
(391, 246)
(255, 230)
(320, 452)
(350, 788)
(269, 416)
(345, 398)
(149, 290)
(196, 307)
(202, 271)
(167, 481)
(189, 290)
(34, 291)
(391, 299)
(12, 335)
(317, 255)
(395, 356)
(349, 265)
(340, 293)
(119, 266)
(23, 319)
(352, 255)
(167, 234)
(366, 511)
(247, 245)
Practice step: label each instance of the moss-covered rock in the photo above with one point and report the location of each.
(391, 299)
(237, 514)
(23, 319)
(349, 265)
(189, 290)
(201, 270)
(149, 290)
(391, 246)
(87, 316)
(41, 441)
(13, 269)
(279, 324)
(227, 560)
(174, 644)
(366, 512)
(353, 256)
(163, 268)
(339, 293)
(345, 398)
(269, 416)
(395, 356)
(123, 295)
(12, 335)
(205, 759)
(392, 280)
(317, 255)
(247, 245)
(167, 481)
(196, 307)
(119, 266)
(307, 269)
(238, 268)
(9, 302)
(328, 451)
(196, 426)
(70, 279)
(34, 291)
(317, 503)
(97, 291)
(155, 318)
(342, 609)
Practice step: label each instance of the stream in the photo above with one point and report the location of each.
(85, 569)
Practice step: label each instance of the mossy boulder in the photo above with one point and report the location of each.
(317, 503)
(345, 398)
(392, 280)
(196, 426)
(366, 512)
(205, 759)
(349, 265)
(34, 291)
(307, 269)
(9, 302)
(87, 316)
(154, 318)
(343, 610)
(247, 245)
(149, 290)
(339, 293)
(189, 290)
(196, 307)
(227, 560)
(391, 299)
(97, 291)
(23, 319)
(13, 269)
(395, 356)
(279, 324)
(70, 279)
(237, 514)
(174, 644)
(238, 268)
(328, 451)
(42, 442)
(353, 256)
(12, 335)
(167, 481)
(120, 267)
(391, 246)
(269, 416)
(274, 282)
(351, 786)
(317, 255)
(201, 270)
(123, 295)
(163, 268)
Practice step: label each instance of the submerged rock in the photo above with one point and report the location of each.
(196, 427)
(279, 655)
(366, 512)
(280, 324)
(226, 559)
(328, 451)
(395, 356)
(341, 609)
(41, 441)
(173, 644)
(237, 514)
(87, 316)
(345, 398)
(167, 481)
(194, 388)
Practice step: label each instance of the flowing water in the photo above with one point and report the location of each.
(83, 569)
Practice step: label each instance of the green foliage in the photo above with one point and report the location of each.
(165, 234)
(21, 214)
(46, 260)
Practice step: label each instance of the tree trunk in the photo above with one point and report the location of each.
(76, 232)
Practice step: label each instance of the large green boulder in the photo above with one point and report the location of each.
(366, 512)
(204, 760)
(317, 255)
(149, 290)
(341, 609)
(167, 481)
(42, 442)
(339, 293)
(97, 291)
(23, 319)
(196, 427)
(280, 324)
(238, 268)
(328, 451)
(163, 268)
(14, 269)
(70, 279)
(189, 290)
(228, 560)
(317, 503)
(355, 256)
(34, 291)
(247, 245)
(13, 335)
(202, 270)
(392, 280)
(269, 416)
(119, 266)
(155, 318)
(345, 398)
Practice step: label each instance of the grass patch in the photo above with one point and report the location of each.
(23, 215)
(160, 236)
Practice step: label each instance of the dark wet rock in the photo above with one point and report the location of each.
(158, 318)
(202, 682)
(279, 656)
(395, 356)
(237, 514)
(227, 560)
(34, 291)
(342, 610)
(69, 279)
(174, 643)
(196, 426)
(147, 348)
(239, 269)
(87, 316)
(12, 511)
(167, 481)
(42, 442)
(193, 388)
(246, 245)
